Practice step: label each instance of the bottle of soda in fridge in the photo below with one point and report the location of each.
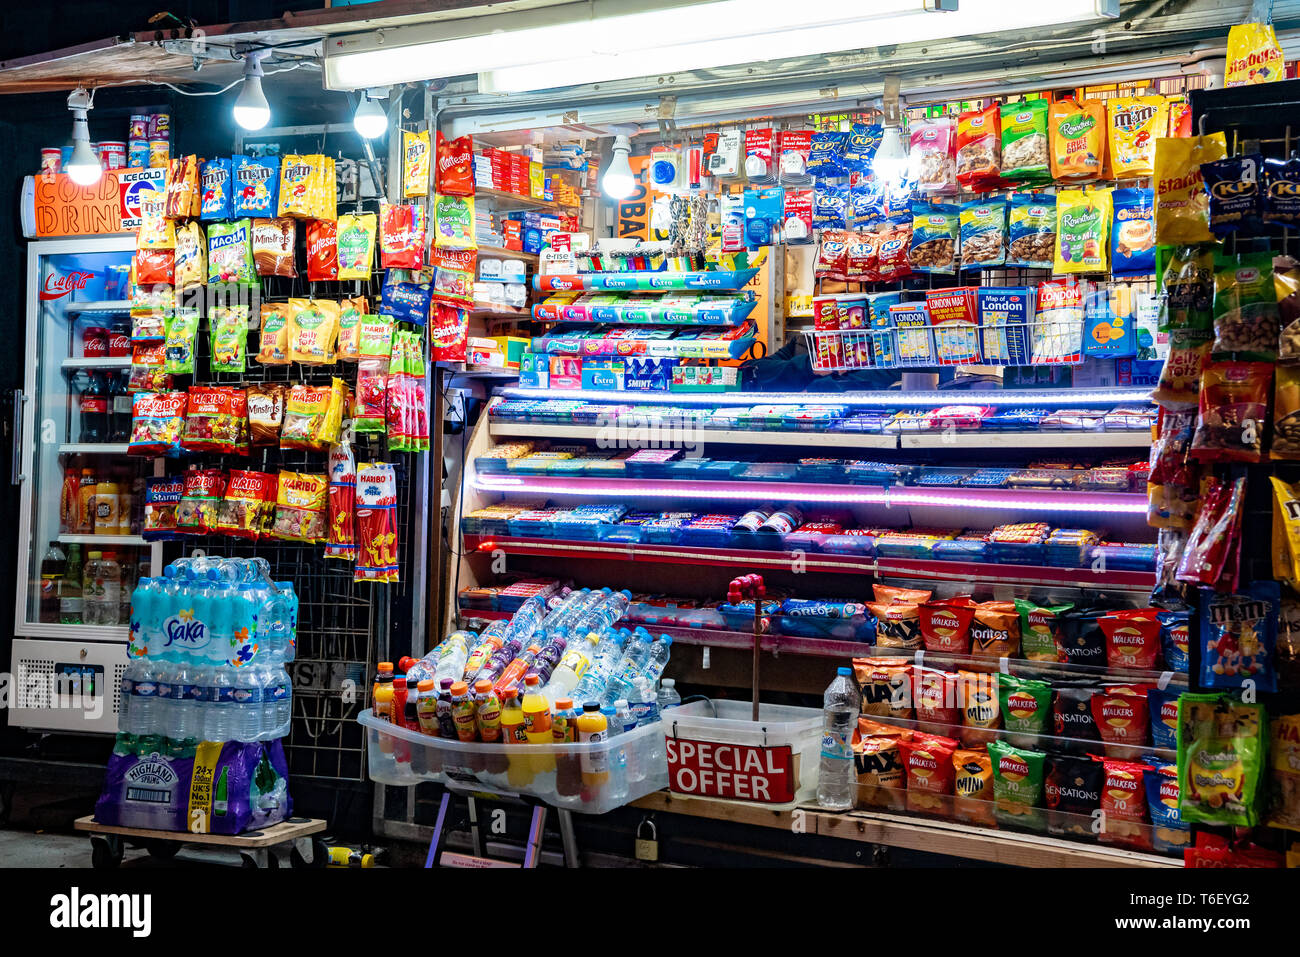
(53, 567)
(94, 409)
(70, 599)
(119, 415)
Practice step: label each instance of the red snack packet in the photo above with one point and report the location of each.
(1124, 803)
(945, 624)
(154, 266)
(453, 280)
(448, 333)
(934, 697)
(401, 235)
(376, 523)
(342, 503)
(832, 254)
(860, 258)
(455, 173)
(322, 250)
(216, 420)
(979, 135)
(1231, 411)
(1120, 712)
(201, 495)
(892, 253)
(1210, 544)
(927, 759)
(1132, 638)
(1213, 850)
(249, 504)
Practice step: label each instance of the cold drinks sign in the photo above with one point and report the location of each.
(112, 205)
(736, 771)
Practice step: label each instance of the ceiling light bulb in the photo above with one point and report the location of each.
(618, 181)
(890, 163)
(84, 167)
(252, 112)
(369, 120)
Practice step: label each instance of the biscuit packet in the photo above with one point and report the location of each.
(936, 231)
(1246, 324)
(1078, 139)
(1082, 231)
(979, 148)
(313, 330)
(1132, 125)
(1182, 205)
(1024, 142)
(273, 335)
(274, 241)
(355, 245)
(415, 164)
(1133, 232)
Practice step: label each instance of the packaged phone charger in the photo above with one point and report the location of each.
(797, 217)
(795, 145)
(760, 156)
(666, 173)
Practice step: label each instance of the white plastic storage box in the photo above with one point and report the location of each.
(715, 749)
(588, 778)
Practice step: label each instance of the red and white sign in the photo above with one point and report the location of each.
(57, 286)
(736, 771)
(133, 185)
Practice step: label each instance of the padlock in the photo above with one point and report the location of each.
(647, 848)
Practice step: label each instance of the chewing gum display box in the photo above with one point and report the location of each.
(705, 379)
(534, 371)
(645, 374)
(566, 372)
(606, 375)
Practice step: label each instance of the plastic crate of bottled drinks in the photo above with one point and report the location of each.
(589, 778)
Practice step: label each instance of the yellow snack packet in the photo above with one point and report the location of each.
(1077, 134)
(415, 164)
(1253, 55)
(1132, 125)
(273, 338)
(1286, 531)
(307, 188)
(355, 244)
(191, 255)
(313, 330)
(350, 313)
(1082, 231)
(1182, 204)
(156, 231)
(184, 198)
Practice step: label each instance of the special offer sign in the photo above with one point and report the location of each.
(740, 772)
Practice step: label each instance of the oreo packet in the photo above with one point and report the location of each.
(255, 185)
(214, 189)
(1233, 186)
(1280, 196)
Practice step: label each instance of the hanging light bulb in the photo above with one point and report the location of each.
(618, 181)
(891, 161)
(369, 120)
(252, 112)
(84, 167)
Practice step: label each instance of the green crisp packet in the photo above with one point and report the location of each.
(1220, 759)
(1026, 706)
(1017, 785)
(1040, 630)
(228, 327)
(182, 328)
(230, 252)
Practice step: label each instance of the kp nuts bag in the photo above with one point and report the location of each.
(1133, 232)
(1235, 190)
(936, 229)
(1182, 205)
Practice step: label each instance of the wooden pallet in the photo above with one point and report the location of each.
(259, 848)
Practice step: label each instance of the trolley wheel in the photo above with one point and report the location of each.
(162, 850)
(105, 854)
(319, 856)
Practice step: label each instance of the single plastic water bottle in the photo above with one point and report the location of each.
(632, 753)
(668, 696)
(129, 676)
(656, 659)
(617, 755)
(452, 657)
(290, 618)
(574, 664)
(142, 610)
(636, 653)
(185, 701)
(608, 653)
(220, 724)
(246, 695)
(162, 714)
(279, 698)
(836, 781)
(144, 700)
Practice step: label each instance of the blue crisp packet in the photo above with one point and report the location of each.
(214, 185)
(830, 206)
(867, 197)
(983, 233)
(860, 151)
(255, 185)
(1174, 631)
(1238, 637)
(1005, 314)
(1162, 707)
(1161, 786)
(826, 155)
(821, 608)
(405, 301)
(1133, 232)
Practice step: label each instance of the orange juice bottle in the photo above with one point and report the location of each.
(383, 704)
(593, 729)
(537, 722)
(488, 706)
(520, 772)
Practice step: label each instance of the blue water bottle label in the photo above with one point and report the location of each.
(248, 695)
(182, 692)
(223, 695)
(164, 690)
(195, 693)
(145, 689)
(277, 693)
(835, 745)
(126, 687)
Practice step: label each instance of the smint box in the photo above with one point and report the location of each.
(534, 371)
(705, 378)
(606, 375)
(648, 374)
